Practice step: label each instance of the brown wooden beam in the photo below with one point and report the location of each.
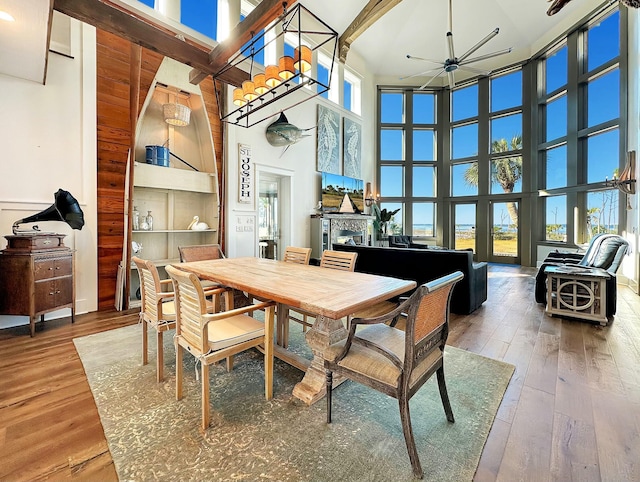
(48, 46)
(370, 14)
(259, 18)
(111, 19)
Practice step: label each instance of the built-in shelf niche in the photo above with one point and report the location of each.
(192, 143)
(174, 194)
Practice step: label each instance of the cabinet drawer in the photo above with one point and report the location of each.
(52, 268)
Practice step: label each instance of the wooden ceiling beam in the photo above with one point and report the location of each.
(370, 14)
(112, 19)
(47, 48)
(259, 18)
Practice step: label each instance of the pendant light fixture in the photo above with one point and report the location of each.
(291, 73)
(176, 114)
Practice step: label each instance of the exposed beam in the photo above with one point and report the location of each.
(111, 19)
(259, 18)
(370, 14)
(48, 46)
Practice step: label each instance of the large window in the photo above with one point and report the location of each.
(544, 137)
(465, 226)
(556, 216)
(464, 141)
(408, 160)
(324, 66)
(505, 127)
(351, 90)
(201, 16)
(580, 146)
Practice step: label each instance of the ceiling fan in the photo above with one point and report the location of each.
(453, 63)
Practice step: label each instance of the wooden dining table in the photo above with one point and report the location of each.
(331, 294)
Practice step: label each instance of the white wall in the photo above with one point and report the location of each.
(48, 138)
(299, 162)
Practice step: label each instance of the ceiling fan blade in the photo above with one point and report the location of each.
(412, 57)
(418, 74)
(485, 57)
(430, 80)
(479, 44)
(452, 81)
(452, 55)
(475, 71)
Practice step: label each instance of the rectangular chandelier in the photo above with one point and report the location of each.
(274, 86)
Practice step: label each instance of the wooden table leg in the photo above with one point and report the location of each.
(282, 317)
(324, 332)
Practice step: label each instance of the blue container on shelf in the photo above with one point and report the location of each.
(157, 155)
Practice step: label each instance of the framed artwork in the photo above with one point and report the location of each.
(352, 148)
(328, 146)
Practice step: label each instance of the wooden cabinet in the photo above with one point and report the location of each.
(174, 197)
(36, 276)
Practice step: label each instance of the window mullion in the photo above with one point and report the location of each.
(484, 135)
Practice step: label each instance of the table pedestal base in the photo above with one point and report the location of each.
(325, 331)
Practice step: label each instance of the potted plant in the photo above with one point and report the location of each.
(383, 216)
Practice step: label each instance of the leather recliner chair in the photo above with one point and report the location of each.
(605, 251)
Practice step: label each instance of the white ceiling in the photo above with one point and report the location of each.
(419, 27)
(416, 27)
(23, 43)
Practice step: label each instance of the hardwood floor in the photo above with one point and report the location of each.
(571, 412)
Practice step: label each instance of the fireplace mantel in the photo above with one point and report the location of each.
(327, 229)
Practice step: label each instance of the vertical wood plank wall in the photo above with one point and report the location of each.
(113, 62)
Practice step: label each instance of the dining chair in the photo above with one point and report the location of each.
(157, 309)
(211, 337)
(200, 252)
(205, 252)
(293, 254)
(344, 261)
(397, 362)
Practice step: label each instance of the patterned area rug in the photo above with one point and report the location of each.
(154, 437)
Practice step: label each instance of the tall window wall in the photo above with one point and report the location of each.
(580, 108)
(408, 160)
(539, 140)
(486, 155)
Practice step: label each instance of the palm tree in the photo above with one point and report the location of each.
(507, 171)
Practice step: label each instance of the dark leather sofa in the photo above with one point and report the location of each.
(424, 265)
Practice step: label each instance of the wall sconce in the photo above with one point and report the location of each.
(289, 75)
(626, 183)
(369, 198)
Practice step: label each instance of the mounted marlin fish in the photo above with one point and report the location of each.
(283, 134)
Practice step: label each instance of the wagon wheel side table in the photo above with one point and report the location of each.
(577, 292)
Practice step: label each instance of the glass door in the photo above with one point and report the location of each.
(464, 222)
(268, 210)
(505, 235)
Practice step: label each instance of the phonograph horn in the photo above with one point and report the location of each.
(65, 208)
